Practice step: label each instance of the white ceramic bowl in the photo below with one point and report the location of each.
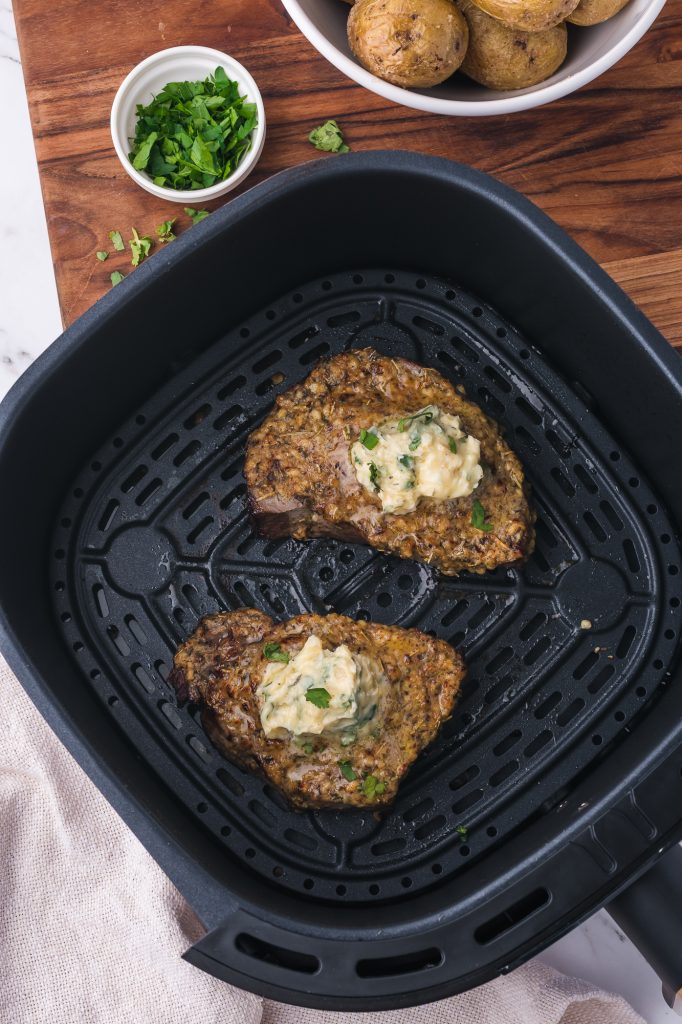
(590, 52)
(181, 64)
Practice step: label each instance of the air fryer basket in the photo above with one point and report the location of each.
(562, 761)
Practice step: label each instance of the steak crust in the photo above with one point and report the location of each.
(222, 663)
(302, 483)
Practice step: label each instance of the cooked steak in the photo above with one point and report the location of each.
(382, 451)
(333, 712)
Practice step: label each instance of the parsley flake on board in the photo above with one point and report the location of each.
(102, 255)
(328, 138)
(372, 787)
(196, 216)
(478, 517)
(140, 247)
(318, 696)
(274, 652)
(369, 439)
(463, 833)
(116, 277)
(347, 771)
(165, 231)
(193, 134)
(117, 240)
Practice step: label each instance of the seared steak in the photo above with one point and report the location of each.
(382, 451)
(333, 712)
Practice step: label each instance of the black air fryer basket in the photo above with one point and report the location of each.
(124, 520)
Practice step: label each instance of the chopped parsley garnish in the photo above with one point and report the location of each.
(117, 240)
(347, 771)
(405, 421)
(371, 786)
(116, 277)
(452, 444)
(196, 216)
(140, 247)
(415, 441)
(165, 230)
(102, 255)
(307, 748)
(274, 652)
(369, 439)
(463, 833)
(407, 461)
(374, 476)
(328, 138)
(478, 517)
(193, 134)
(318, 696)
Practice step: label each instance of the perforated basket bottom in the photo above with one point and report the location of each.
(155, 534)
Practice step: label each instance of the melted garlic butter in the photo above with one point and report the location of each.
(352, 681)
(422, 455)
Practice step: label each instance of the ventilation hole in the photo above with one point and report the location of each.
(197, 417)
(78, 646)
(195, 505)
(585, 479)
(95, 673)
(347, 556)
(454, 613)
(326, 574)
(277, 956)
(229, 389)
(497, 379)
(244, 332)
(641, 691)
(619, 716)
(500, 659)
(341, 890)
(669, 634)
(430, 828)
(101, 603)
(673, 570)
(492, 403)
(170, 713)
(658, 664)
(272, 599)
(406, 883)
(491, 831)
(464, 851)
(342, 319)
(536, 652)
(405, 582)
(452, 363)
(674, 601)
(493, 694)
(59, 586)
(374, 889)
(395, 966)
(230, 782)
(230, 414)
(501, 333)
(665, 538)
(146, 492)
(503, 773)
(563, 482)
(308, 883)
(112, 702)
(614, 456)
(602, 676)
(270, 314)
(571, 711)
(250, 853)
(633, 481)
(268, 360)
(187, 452)
(118, 442)
(107, 517)
(419, 810)
(479, 617)
(467, 776)
(540, 741)
(561, 447)
(581, 670)
(507, 743)
(198, 747)
(300, 839)
(357, 279)
(363, 615)
(467, 801)
(65, 617)
(631, 555)
(625, 642)
(164, 446)
(389, 278)
(420, 282)
(527, 409)
(66, 522)
(512, 916)
(314, 354)
(477, 311)
(384, 599)
(78, 492)
(611, 514)
(202, 807)
(194, 534)
(524, 353)
(303, 337)
(388, 846)
(465, 349)
(595, 527)
(597, 740)
(528, 440)
(428, 325)
(118, 641)
(95, 466)
(532, 626)
(437, 869)
(225, 830)
(136, 629)
(179, 615)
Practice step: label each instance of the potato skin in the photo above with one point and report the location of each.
(593, 12)
(528, 15)
(504, 58)
(411, 43)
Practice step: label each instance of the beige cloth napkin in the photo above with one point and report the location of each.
(91, 930)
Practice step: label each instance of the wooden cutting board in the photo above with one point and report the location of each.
(606, 162)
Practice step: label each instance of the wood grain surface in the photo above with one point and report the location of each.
(605, 162)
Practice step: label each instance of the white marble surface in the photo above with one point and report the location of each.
(29, 321)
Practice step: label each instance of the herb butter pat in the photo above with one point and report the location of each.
(290, 694)
(425, 454)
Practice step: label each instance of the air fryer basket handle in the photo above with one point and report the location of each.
(650, 914)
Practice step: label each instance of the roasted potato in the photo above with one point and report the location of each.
(412, 43)
(592, 12)
(528, 15)
(500, 57)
